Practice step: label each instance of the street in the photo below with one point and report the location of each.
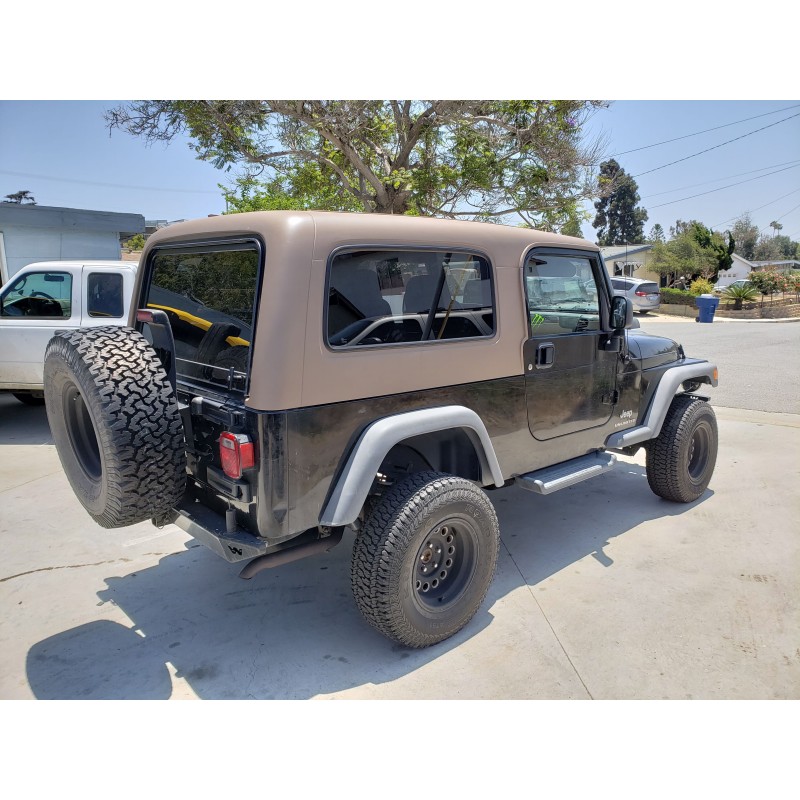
(759, 362)
(603, 590)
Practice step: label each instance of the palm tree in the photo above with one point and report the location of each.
(776, 226)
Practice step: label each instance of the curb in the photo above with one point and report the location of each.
(689, 318)
(781, 319)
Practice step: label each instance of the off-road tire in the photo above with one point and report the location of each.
(680, 461)
(115, 422)
(29, 398)
(402, 586)
(236, 357)
(214, 342)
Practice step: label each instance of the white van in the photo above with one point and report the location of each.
(48, 296)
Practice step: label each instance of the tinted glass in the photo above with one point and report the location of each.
(378, 297)
(39, 294)
(104, 294)
(209, 296)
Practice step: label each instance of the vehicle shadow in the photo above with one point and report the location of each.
(22, 424)
(295, 632)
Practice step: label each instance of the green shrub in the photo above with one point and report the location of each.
(678, 297)
(740, 294)
(135, 242)
(701, 286)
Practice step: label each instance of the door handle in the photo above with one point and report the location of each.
(545, 355)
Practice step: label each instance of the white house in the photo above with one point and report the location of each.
(741, 268)
(631, 260)
(30, 233)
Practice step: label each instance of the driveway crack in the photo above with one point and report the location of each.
(549, 624)
(65, 566)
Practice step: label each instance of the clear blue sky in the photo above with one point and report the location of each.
(64, 154)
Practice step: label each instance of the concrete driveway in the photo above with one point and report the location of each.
(603, 591)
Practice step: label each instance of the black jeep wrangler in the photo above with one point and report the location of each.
(285, 375)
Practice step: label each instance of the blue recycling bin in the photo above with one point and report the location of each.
(707, 305)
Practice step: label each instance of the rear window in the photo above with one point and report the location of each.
(104, 295)
(209, 295)
(648, 288)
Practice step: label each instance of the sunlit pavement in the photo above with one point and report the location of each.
(603, 591)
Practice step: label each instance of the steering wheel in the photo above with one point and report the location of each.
(41, 294)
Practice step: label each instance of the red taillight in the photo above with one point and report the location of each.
(237, 453)
(641, 294)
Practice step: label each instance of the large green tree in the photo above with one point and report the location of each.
(480, 159)
(619, 220)
(695, 251)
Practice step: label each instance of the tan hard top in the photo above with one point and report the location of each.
(292, 367)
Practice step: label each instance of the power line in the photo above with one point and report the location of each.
(107, 185)
(707, 130)
(716, 146)
(753, 210)
(705, 183)
(720, 188)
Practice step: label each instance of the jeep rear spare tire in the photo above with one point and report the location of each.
(116, 424)
(423, 563)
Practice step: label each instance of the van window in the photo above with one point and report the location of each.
(104, 294)
(209, 295)
(38, 294)
(385, 297)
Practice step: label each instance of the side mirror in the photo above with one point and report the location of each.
(621, 313)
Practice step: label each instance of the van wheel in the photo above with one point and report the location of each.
(115, 423)
(680, 461)
(423, 563)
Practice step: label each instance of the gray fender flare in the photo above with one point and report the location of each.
(659, 405)
(355, 480)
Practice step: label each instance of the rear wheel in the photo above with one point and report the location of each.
(681, 460)
(423, 563)
(115, 423)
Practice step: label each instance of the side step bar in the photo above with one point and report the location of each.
(551, 479)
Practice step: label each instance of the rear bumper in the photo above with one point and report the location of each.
(210, 529)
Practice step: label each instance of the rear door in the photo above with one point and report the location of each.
(105, 295)
(32, 307)
(570, 377)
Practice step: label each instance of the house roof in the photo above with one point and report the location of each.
(36, 216)
(624, 250)
(794, 263)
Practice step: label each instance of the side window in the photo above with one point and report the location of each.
(39, 294)
(378, 297)
(104, 294)
(562, 295)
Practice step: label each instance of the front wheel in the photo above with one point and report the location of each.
(680, 461)
(425, 559)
